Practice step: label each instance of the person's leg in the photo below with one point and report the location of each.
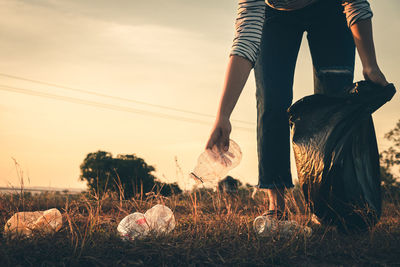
(274, 71)
(276, 200)
(332, 48)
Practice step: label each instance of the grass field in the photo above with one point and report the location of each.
(211, 229)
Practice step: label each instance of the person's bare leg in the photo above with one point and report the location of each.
(276, 199)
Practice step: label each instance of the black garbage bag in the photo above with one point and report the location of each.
(337, 156)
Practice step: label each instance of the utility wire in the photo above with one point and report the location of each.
(117, 97)
(106, 106)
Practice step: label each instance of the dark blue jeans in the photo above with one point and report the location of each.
(333, 52)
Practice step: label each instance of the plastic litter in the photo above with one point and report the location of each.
(26, 224)
(337, 157)
(158, 220)
(213, 164)
(132, 226)
(267, 227)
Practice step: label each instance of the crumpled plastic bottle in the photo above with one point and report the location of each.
(213, 164)
(26, 224)
(132, 226)
(267, 227)
(159, 219)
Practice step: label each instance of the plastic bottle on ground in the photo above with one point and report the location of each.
(267, 227)
(26, 224)
(132, 226)
(213, 164)
(159, 219)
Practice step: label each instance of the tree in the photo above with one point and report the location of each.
(229, 185)
(390, 160)
(126, 174)
(167, 189)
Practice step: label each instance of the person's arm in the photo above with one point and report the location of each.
(236, 76)
(362, 33)
(358, 14)
(249, 24)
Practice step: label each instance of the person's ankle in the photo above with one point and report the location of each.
(275, 214)
(277, 208)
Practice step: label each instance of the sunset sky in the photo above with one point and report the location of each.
(170, 53)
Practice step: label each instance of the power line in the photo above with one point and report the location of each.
(105, 105)
(117, 97)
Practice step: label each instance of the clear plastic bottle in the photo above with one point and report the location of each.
(25, 224)
(265, 226)
(213, 164)
(157, 220)
(133, 226)
(160, 219)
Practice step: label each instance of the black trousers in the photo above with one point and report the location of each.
(333, 51)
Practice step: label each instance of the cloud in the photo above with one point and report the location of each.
(201, 16)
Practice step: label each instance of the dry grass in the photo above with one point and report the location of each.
(212, 229)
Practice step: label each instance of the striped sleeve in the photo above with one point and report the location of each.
(356, 10)
(249, 24)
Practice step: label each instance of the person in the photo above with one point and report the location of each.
(268, 37)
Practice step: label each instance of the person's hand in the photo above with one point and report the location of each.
(219, 137)
(375, 75)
